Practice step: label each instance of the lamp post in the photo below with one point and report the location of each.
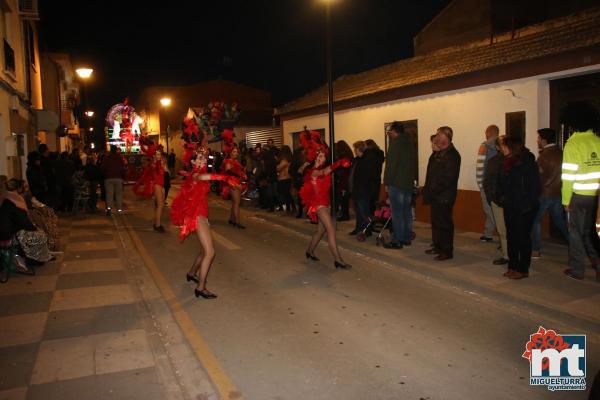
(165, 102)
(330, 95)
(84, 74)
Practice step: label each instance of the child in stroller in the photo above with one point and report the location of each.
(380, 222)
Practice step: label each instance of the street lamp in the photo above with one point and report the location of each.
(84, 74)
(330, 95)
(89, 114)
(165, 102)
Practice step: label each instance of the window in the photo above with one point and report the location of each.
(515, 124)
(9, 58)
(29, 37)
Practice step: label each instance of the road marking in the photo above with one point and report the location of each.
(217, 374)
(223, 241)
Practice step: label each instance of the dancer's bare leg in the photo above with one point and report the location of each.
(316, 238)
(325, 219)
(208, 249)
(159, 203)
(236, 197)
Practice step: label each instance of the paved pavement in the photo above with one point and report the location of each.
(114, 317)
(396, 326)
(90, 326)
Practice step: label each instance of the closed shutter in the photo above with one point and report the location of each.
(262, 135)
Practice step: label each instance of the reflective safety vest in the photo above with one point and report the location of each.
(581, 166)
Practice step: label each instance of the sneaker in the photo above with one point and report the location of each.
(569, 272)
(486, 239)
(536, 255)
(392, 245)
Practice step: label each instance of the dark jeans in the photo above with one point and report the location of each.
(93, 200)
(518, 238)
(284, 187)
(557, 213)
(343, 204)
(583, 240)
(361, 208)
(400, 200)
(167, 185)
(442, 228)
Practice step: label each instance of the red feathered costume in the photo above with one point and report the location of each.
(316, 189)
(154, 172)
(192, 200)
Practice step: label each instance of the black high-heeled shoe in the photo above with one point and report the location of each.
(342, 265)
(205, 294)
(231, 222)
(239, 226)
(311, 256)
(189, 278)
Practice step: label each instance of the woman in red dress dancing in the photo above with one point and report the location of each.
(189, 211)
(152, 182)
(232, 166)
(315, 196)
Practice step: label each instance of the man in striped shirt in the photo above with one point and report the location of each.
(486, 151)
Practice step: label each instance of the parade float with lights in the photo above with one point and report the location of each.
(123, 129)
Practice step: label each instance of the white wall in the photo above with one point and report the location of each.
(468, 112)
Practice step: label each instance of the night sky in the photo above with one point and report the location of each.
(276, 45)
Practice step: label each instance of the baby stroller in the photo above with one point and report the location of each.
(380, 222)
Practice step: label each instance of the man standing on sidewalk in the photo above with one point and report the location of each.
(113, 170)
(440, 191)
(549, 163)
(581, 180)
(399, 178)
(486, 151)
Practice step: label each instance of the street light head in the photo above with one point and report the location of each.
(84, 73)
(91, 129)
(165, 101)
(89, 114)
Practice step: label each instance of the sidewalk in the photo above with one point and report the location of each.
(547, 288)
(92, 325)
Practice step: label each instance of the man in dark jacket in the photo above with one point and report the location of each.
(550, 166)
(361, 178)
(113, 170)
(399, 179)
(440, 191)
(374, 153)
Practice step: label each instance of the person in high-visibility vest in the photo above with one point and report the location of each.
(580, 186)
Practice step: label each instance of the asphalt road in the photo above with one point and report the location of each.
(285, 327)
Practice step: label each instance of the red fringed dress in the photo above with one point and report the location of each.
(236, 170)
(190, 203)
(153, 174)
(315, 193)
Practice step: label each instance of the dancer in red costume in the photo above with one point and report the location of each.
(152, 181)
(233, 167)
(315, 195)
(189, 211)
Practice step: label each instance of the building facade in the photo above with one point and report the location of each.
(519, 81)
(20, 84)
(61, 97)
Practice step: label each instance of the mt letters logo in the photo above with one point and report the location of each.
(556, 361)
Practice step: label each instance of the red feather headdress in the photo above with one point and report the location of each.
(312, 144)
(228, 144)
